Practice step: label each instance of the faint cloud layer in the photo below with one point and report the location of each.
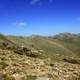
(20, 24)
(33, 2)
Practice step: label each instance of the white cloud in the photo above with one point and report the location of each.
(20, 24)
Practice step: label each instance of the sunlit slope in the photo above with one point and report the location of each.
(69, 41)
(4, 40)
(71, 44)
(52, 48)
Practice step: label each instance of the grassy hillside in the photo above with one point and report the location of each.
(54, 48)
(70, 42)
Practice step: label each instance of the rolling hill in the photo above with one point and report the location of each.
(57, 46)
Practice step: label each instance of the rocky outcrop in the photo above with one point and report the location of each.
(27, 52)
(73, 61)
(19, 49)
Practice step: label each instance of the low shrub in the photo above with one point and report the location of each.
(30, 77)
(3, 65)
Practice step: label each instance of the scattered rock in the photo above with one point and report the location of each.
(27, 52)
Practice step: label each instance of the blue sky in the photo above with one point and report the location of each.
(42, 17)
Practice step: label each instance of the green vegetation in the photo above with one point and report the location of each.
(3, 65)
(57, 47)
(54, 48)
(30, 77)
(7, 77)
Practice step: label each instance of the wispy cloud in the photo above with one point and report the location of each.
(33, 2)
(39, 2)
(21, 24)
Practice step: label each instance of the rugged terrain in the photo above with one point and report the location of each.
(39, 57)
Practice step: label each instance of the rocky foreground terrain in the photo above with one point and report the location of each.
(21, 67)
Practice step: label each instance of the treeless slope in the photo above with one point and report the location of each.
(53, 48)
